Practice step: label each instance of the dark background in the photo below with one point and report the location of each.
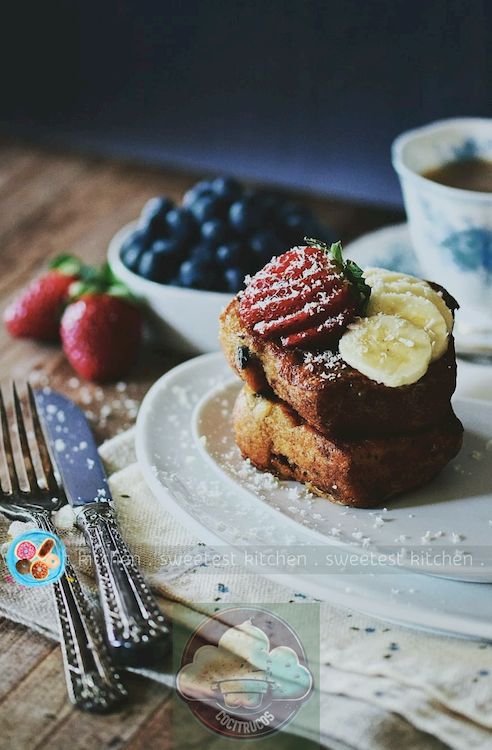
(305, 93)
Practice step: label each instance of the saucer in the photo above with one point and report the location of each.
(391, 247)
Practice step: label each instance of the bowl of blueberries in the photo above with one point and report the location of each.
(186, 261)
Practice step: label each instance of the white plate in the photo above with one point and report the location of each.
(391, 247)
(225, 514)
(446, 518)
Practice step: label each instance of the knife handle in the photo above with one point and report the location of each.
(137, 632)
(92, 683)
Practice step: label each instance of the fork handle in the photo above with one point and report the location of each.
(92, 683)
(137, 631)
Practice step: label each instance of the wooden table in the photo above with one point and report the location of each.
(50, 203)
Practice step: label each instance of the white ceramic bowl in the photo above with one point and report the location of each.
(182, 319)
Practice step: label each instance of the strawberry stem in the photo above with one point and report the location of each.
(91, 279)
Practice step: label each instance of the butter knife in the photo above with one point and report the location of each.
(137, 632)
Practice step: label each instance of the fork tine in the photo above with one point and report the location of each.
(7, 446)
(42, 446)
(24, 443)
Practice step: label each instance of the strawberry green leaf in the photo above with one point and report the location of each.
(352, 272)
(120, 290)
(91, 279)
(67, 264)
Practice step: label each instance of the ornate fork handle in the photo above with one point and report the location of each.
(136, 629)
(92, 683)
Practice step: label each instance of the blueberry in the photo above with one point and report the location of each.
(229, 254)
(227, 188)
(242, 357)
(265, 244)
(269, 202)
(203, 253)
(198, 189)
(159, 205)
(153, 266)
(286, 208)
(196, 274)
(153, 217)
(131, 257)
(207, 207)
(214, 231)
(294, 227)
(132, 248)
(167, 248)
(245, 216)
(234, 279)
(181, 224)
(153, 225)
(137, 238)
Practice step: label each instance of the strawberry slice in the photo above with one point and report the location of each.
(294, 266)
(325, 334)
(289, 299)
(311, 314)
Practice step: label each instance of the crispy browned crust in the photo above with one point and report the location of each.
(349, 404)
(361, 473)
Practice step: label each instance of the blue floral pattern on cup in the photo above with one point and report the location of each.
(467, 149)
(471, 249)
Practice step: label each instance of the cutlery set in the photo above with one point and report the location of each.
(51, 458)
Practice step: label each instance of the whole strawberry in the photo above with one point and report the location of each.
(37, 311)
(101, 335)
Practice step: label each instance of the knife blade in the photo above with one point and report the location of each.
(136, 630)
(74, 448)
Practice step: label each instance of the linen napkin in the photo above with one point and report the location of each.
(380, 686)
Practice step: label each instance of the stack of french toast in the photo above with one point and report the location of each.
(348, 375)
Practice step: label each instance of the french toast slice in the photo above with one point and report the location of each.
(330, 395)
(361, 473)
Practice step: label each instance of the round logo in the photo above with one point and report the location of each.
(36, 558)
(244, 673)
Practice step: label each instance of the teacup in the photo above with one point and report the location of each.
(451, 228)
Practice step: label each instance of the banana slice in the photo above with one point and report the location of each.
(418, 310)
(381, 280)
(383, 276)
(387, 349)
(426, 291)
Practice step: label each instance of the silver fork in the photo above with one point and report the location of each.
(92, 683)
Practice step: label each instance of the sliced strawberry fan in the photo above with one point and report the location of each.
(306, 297)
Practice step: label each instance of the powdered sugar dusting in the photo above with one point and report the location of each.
(327, 365)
